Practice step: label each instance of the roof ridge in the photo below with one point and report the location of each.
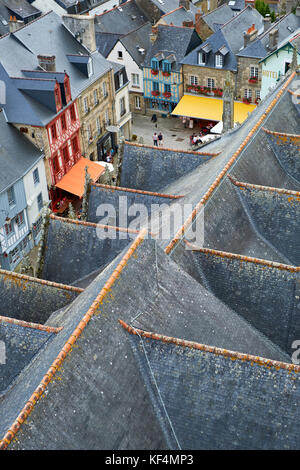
(212, 349)
(25, 324)
(24, 277)
(56, 364)
(227, 167)
(192, 152)
(27, 24)
(114, 8)
(172, 11)
(249, 259)
(284, 134)
(93, 224)
(263, 188)
(137, 191)
(239, 13)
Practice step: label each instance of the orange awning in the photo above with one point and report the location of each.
(74, 180)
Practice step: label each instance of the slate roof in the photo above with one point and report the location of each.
(125, 18)
(173, 40)
(21, 8)
(17, 154)
(18, 52)
(165, 332)
(106, 42)
(288, 26)
(177, 16)
(165, 6)
(140, 37)
(219, 16)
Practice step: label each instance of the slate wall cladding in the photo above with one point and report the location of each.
(151, 170)
(240, 404)
(31, 301)
(74, 251)
(265, 296)
(287, 153)
(21, 345)
(283, 210)
(121, 201)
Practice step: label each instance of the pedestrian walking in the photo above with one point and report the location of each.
(160, 139)
(155, 139)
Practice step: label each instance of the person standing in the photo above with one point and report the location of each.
(160, 139)
(155, 139)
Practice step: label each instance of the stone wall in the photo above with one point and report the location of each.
(243, 75)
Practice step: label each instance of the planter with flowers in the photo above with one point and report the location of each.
(166, 74)
(155, 93)
(247, 100)
(154, 72)
(253, 80)
(167, 94)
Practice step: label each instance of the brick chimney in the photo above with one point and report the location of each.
(47, 62)
(188, 24)
(250, 35)
(153, 34)
(273, 39)
(15, 24)
(185, 4)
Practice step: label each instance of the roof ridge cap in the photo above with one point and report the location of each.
(93, 224)
(263, 188)
(25, 324)
(192, 152)
(212, 349)
(137, 191)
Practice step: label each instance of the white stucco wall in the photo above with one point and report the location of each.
(130, 66)
(33, 190)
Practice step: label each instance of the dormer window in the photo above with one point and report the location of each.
(90, 69)
(154, 64)
(219, 60)
(166, 67)
(201, 58)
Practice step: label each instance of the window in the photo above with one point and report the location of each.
(208, 5)
(167, 88)
(66, 156)
(248, 93)
(14, 255)
(121, 80)
(89, 132)
(166, 67)
(75, 145)
(36, 176)
(67, 89)
(98, 126)
(96, 101)
(201, 58)
(211, 83)
(104, 88)
(137, 102)
(63, 122)
(122, 106)
(20, 219)
(194, 80)
(90, 70)
(154, 64)
(56, 165)
(254, 72)
(135, 78)
(73, 112)
(57, 98)
(219, 60)
(53, 131)
(8, 229)
(40, 201)
(85, 104)
(107, 121)
(155, 86)
(257, 94)
(120, 55)
(11, 196)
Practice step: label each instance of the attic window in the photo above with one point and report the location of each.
(201, 58)
(120, 55)
(219, 60)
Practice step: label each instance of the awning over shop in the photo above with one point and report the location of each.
(73, 181)
(203, 107)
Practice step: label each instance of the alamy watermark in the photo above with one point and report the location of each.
(162, 221)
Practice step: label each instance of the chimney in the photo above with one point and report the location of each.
(15, 24)
(267, 22)
(83, 28)
(185, 4)
(188, 24)
(47, 62)
(273, 39)
(298, 11)
(153, 34)
(250, 35)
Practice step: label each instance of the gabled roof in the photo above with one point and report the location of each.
(218, 17)
(177, 16)
(175, 40)
(123, 19)
(137, 40)
(21, 8)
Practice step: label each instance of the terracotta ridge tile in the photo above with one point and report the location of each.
(212, 349)
(263, 188)
(248, 259)
(24, 277)
(225, 170)
(28, 407)
(92, 224)
(137, 191)
(191, 152)
(267, 131)
(25, 324)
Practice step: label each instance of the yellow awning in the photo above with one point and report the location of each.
(203, 107)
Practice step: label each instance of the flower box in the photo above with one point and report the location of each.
(166, 74)
(155, 93)
(167, 94)
(253, 80)
(247, 100)
(154, 72)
